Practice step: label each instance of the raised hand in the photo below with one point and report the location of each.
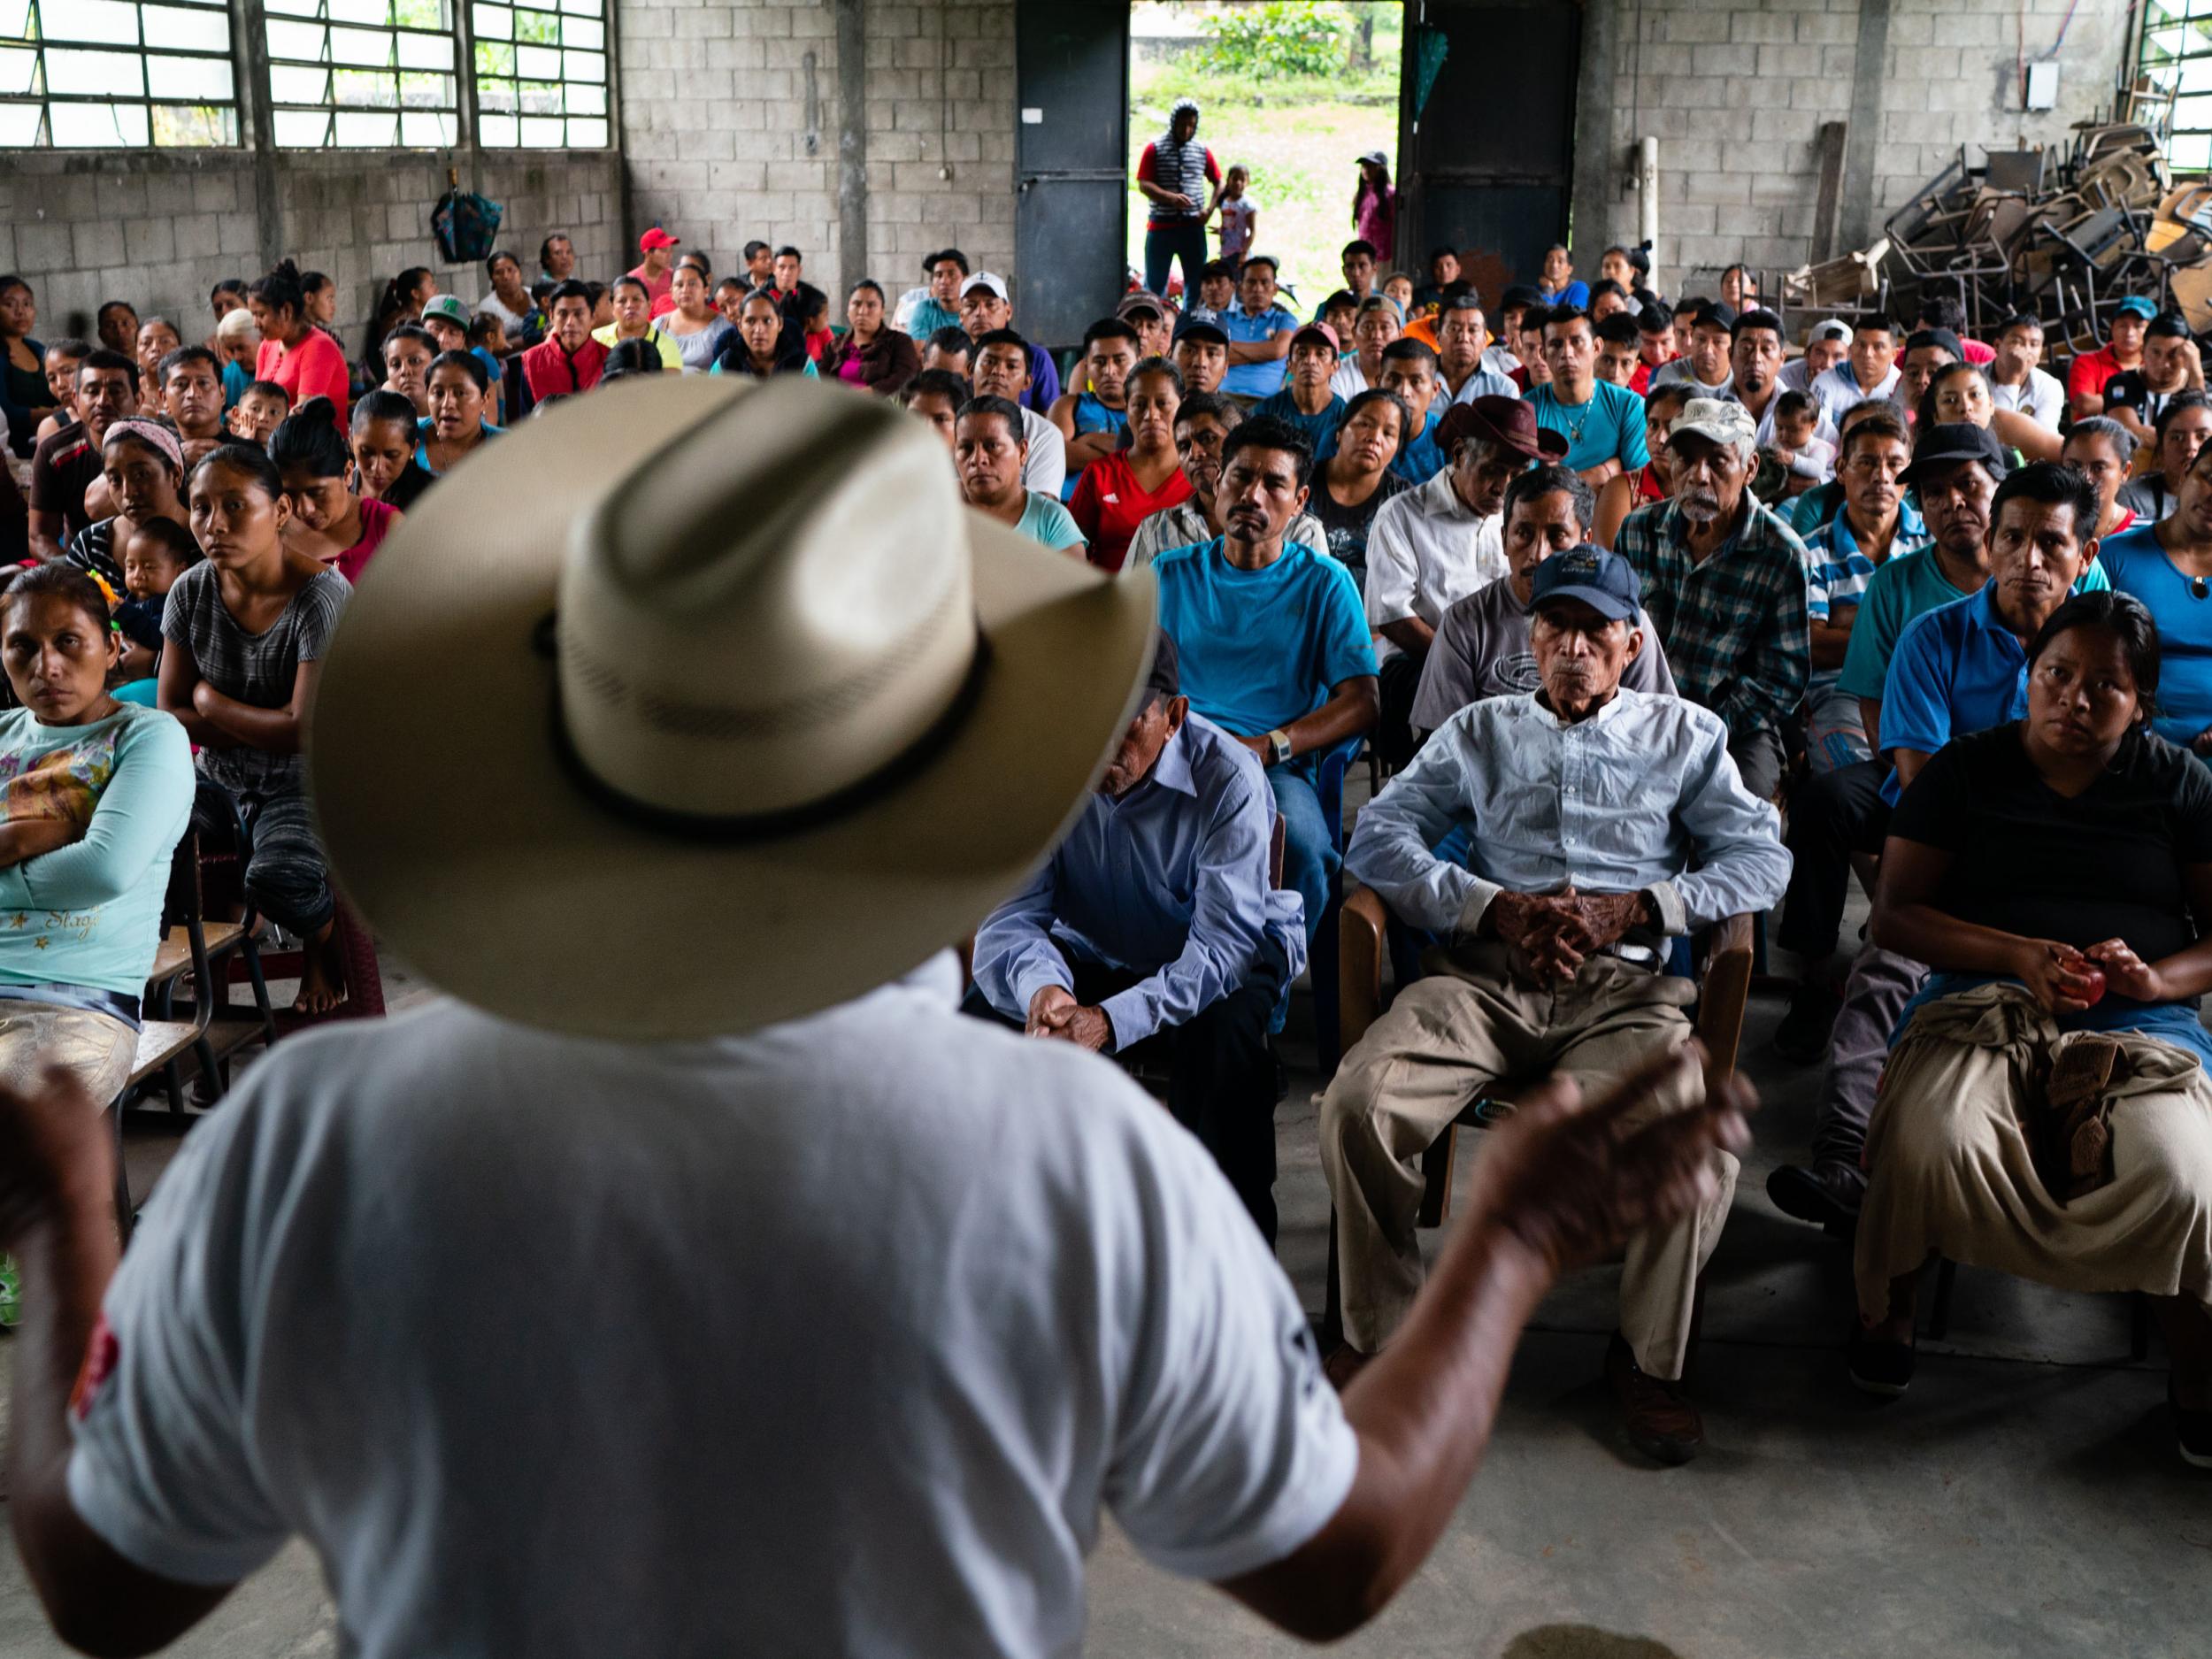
(1571, 1181)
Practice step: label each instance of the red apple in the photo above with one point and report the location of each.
(2093, 991)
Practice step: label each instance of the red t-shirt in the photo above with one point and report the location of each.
(2087, 374)
(548, 371)
(314, 367)
(378, 519)
(655, 286)
(1110, 503)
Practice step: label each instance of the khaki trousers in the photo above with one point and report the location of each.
(1950, 1169)
(1462, 1032)
(99, 1048)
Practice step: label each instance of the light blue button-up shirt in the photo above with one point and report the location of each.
(1639, 797)
(1255, 379)
(1170, 882)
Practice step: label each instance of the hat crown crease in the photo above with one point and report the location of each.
(770, 610)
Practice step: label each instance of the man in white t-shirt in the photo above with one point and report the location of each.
(697, 1298)
(2017, 383)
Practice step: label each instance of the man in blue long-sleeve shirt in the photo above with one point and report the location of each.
(1156, 918)
(1603, 821)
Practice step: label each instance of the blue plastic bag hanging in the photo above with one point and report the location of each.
(464, 223)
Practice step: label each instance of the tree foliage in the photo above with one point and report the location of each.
(1275, 40)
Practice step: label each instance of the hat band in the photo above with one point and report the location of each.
(739, 827)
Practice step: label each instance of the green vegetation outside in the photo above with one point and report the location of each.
(1300, 132)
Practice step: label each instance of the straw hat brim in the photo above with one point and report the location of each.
(455, 827)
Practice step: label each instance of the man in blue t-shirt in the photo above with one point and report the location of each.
(1272, 640)
(1259, 333)
(1603, 423)
(1958, 669)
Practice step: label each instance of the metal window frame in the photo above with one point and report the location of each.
(253, 107)
(145, 99)
(2162, 66)
(516, 79)
(447, 35)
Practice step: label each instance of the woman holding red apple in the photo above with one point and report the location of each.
(2046, 1108)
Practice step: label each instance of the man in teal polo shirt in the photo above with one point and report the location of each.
(1603, 423)
(1259, 333)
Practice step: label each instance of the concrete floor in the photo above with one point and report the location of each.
(2024, 1499)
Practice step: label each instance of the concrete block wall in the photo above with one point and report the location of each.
(161, 229)
(1736, 92)
(733, 128)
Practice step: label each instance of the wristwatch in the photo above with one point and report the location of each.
(1278, 748)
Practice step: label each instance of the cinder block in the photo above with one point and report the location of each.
(1971, 25)
(1783, 126)
(215, 193)
(150, 241)
(1756, 27)
(1826, 28)
(707, 23)
(43, 246)
(122, 196)
(97, 241)
(1789, 60)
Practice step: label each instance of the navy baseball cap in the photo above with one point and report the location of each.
(1604, 582)
(1945, 446)
(1209, 334)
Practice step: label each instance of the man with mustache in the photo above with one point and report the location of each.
(1600, 822)
(1203, 424)
(1153, 921)
(2006, 555)
(1433, 546)
(1272, 641)
(1725, 582)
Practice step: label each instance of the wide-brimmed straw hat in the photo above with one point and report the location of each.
(691, 707)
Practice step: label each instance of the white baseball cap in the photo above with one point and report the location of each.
(989, 281)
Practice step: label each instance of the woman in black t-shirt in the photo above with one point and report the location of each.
(1350, 487)
(2046, 1110)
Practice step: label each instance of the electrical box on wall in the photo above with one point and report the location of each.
(2043, 85)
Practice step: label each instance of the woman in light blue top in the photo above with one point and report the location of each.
(457, 387)
(94, 795)
(696, 327)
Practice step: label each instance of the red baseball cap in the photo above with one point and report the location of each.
(658, 238)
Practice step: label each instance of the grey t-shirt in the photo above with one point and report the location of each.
(255, 668)
(1481, 650)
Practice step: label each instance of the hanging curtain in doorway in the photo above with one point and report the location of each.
(1429, 48)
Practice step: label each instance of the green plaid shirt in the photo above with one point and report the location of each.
(1734, 627)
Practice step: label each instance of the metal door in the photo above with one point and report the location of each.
(1490, 156)
(1071, 162)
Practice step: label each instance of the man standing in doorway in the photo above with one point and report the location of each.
(1178, 176)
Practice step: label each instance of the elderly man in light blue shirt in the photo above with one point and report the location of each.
(1156, 918)
(1604, 821)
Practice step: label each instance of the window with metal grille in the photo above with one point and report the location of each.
(541, 74)
(2176, 56)
(115, 74)
(353, 75)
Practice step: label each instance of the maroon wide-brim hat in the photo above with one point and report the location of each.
(1506, 421)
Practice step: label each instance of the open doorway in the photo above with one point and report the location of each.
(1295, 91)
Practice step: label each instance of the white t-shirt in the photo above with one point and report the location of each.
(1046, 468)
(1348, 382)
(834, 1338)
(2038, 396)
(1426, 551)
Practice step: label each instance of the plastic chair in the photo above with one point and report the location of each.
(1724, 990)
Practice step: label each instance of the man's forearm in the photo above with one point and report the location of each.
(1410, 635)
(66, 1260)
(1424, 1411)
(1353, 711)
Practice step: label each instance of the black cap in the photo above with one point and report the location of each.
(1949, 444)
(1519, 294)
(1211, 333)
(1165, 679)
(1713, 314)
(1604, 582)
(1942, 337)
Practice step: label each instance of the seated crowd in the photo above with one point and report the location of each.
(1614, 592)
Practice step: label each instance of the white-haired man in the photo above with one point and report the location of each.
(1724, 581)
